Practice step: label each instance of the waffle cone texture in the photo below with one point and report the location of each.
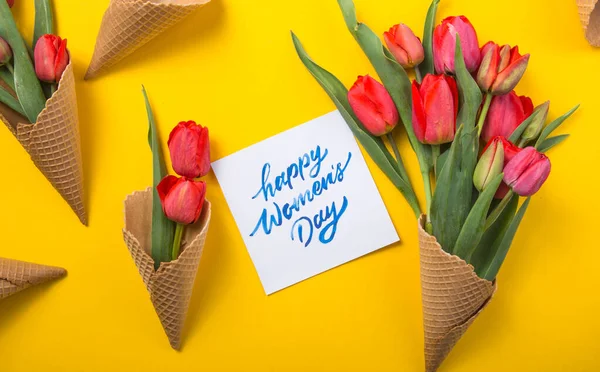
(453, 296)
(589, 12)
(170, 286)
(53, 142)
(16, 276)
(129, 24)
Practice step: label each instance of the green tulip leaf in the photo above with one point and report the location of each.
(27, 86)
(7, 78)
(10, 101)
(505, 241)
(516, 135)
(392, 75)
(453, 197)
(488, 246)
(552, 142)
(44, 20)
(163, 229)
(427, 66)
(474, 226)
(553, 126)
(374, 146)
(445, 217)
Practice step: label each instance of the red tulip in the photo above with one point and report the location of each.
(444, 44)
(182, 199)
(5, 52)
(10, 3)
(510, 150)
(527, 171)
(373, 106)
(501, 68)
(506, 113)
(190, 149)
(404, 45)
(435, 105)
(51, 58)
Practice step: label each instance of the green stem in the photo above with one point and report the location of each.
(428, 197)
(390, 138)
(53, 88)
(177, 241)
(418, 75)
(484, 112)
(435, 154)
(498, 211)
(522, 143)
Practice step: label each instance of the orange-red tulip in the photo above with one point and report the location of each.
(182, 199)
(51, 58)
(501, 68)
(373, 106)
(190, 149)
(505, 115)
(435, 106)
(404, 45)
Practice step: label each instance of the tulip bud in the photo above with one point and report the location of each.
(404, 45)
(533, 131)
(444, 44)
(501, 68)
(527, 171)
(5, 52)
(505, 115)
(435, 106)
(490, 165)
(51, 58)
(509, 150)
(373, 106)
(182, 199)
(190, 150)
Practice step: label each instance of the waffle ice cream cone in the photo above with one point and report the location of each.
(129, 24)
(453, 296)
(53, 142)
(171, 285)
(16, 276)
(589, 12)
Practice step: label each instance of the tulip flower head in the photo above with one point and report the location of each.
(404, 45)
(373, 106)
(505, 115)
(182, 199)
(534, 129)
(5, 52)
(490, 165)
(444, 44)
(51, 58)
(189, 147)
(435, 106)
(509, 150)
(527, 171)
(501, 68)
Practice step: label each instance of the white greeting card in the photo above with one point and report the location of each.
(304, 202)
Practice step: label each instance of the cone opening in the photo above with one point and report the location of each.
(138, 222)
(30, 127)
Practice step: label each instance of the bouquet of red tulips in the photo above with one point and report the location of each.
(462, 100)
(38, 103)
(165, 227)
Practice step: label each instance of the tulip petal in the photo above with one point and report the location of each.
(165, 186)
(438, 102)
(419, 119)
(488, 70)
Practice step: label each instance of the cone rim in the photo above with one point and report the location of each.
(164, 266)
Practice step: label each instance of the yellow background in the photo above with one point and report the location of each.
(232, 67)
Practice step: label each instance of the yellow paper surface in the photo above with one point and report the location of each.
(232, 66)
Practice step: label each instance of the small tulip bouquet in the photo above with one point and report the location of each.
(480, 148)
(38, 102)
(166, 227)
